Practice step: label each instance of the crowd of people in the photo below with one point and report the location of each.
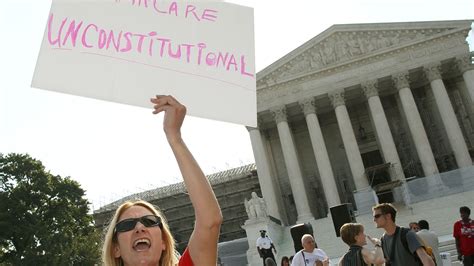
(398, 246)
(138, 233)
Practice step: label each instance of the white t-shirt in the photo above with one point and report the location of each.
(264, 242)
(431, 239)
(311, 258)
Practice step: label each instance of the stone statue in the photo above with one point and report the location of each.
(302, 64)
(372, 44)
(382, 42)
(342, 49)
(316, 59)
(255, 207)
(354, 47)
(328, 50)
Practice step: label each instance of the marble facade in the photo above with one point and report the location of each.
(361, 107)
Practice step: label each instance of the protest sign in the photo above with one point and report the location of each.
(127, 51)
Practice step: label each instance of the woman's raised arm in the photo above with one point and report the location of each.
(202, 244)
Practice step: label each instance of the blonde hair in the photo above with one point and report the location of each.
(349, 231)
(168, 256)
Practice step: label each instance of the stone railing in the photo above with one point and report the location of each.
(440, 185)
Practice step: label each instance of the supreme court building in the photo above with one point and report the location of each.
(359, 109)
(351, 116)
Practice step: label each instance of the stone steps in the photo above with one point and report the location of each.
(440, 212)
(447, 244)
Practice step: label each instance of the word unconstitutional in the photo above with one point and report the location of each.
(69, 34)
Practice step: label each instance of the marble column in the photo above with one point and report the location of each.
(417, 130)
(292, 165)
(349, 140)
(450, 122)
(384, 135)
(267, 184)
(320, 152)
(467, 69)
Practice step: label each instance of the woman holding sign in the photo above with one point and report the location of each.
(138, 233)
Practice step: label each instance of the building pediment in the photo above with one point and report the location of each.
(341, 44)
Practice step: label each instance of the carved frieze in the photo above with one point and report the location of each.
(344, 46)
(356, 58)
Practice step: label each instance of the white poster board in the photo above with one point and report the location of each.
(127, 51)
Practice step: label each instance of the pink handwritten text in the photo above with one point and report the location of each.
(69, 33)
(177, 8)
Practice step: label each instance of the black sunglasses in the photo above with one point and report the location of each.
(129, 224)
(378, 215)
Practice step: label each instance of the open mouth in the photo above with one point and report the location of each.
(141, 244)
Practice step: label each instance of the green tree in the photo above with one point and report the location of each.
(44, 218)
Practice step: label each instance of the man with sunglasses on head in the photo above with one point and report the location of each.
(138, 233)
(401, 246)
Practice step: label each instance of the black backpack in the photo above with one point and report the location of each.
(403, 237)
